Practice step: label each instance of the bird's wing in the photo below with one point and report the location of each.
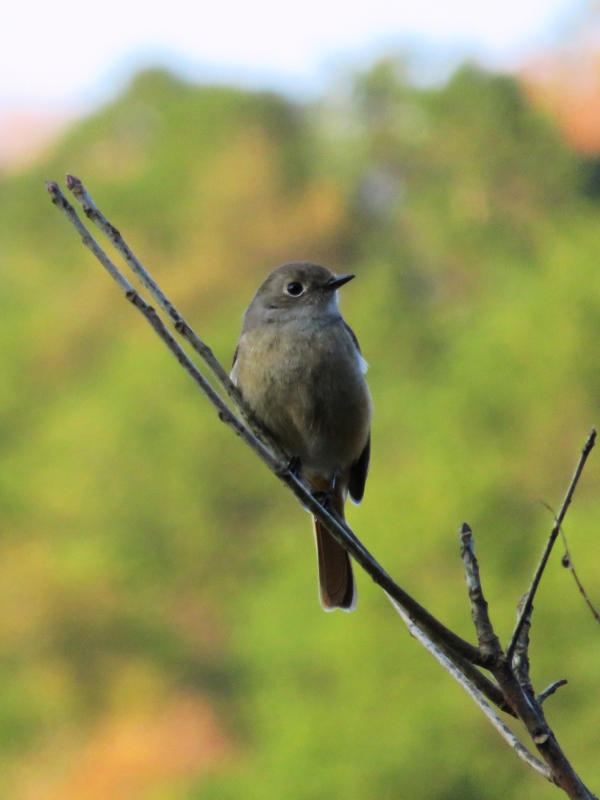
(358, 473)
(363, 364)
(359, 470)
(352, 335)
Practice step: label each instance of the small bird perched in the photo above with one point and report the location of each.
(299, 368)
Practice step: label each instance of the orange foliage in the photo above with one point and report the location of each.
(130, 754)
(566, 84)
(26, 135)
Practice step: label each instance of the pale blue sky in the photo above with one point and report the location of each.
(69, 52)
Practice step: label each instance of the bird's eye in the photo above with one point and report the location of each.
(295, 289)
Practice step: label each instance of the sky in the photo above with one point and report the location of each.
(73, 54)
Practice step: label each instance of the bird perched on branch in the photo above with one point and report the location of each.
(299, 368)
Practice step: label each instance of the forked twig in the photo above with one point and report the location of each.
(513, 676)
(587, 449)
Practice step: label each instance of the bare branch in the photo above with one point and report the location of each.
(587, 449)
(475, 695)
(488, 641)
(94, 214)
(225, 413)
(337, 527)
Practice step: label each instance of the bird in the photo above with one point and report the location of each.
(299, 367)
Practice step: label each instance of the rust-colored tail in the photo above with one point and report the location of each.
(336, 580)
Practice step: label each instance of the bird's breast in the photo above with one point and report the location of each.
(306, 384)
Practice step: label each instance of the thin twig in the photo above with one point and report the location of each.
(567, 562)
(339, 529)
(550, 690)
(550, 544)
(488, 641)
(225, 413)
(475, 695)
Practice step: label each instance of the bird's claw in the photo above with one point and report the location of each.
(295, 466)
(323, 498)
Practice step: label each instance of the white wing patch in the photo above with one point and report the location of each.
(363, 364)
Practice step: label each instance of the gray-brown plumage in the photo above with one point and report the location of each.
(299, 367)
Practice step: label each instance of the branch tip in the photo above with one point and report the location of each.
(590, 442)
(73, 184)
(488, 641)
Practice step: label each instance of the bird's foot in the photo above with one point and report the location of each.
(295, 466)
(324, 498)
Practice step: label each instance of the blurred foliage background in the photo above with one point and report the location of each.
(160, 633)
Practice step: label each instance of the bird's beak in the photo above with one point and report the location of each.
(335, 283)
